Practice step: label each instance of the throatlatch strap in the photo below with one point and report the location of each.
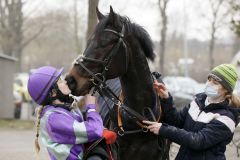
(120, 124)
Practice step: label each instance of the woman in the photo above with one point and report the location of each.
(206, 126)
(62, 128)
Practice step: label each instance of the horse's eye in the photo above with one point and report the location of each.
(104, 42)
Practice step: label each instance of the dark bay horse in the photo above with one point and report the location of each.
(120, 48)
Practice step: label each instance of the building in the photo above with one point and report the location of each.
(7, 69)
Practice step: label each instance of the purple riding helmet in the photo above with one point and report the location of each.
(41, 80)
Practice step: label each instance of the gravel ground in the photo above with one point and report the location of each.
(19, 144)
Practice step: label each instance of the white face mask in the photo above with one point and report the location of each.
(211, 91)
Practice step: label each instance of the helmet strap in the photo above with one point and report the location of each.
(60, 96)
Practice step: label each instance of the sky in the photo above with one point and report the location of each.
(146, 13)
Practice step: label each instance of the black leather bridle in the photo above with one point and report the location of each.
(99, 79)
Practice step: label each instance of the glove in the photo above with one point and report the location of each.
(109, 136)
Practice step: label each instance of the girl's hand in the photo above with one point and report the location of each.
(90, 99)
(161, 89)
(154, 127)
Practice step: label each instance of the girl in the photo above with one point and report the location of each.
(206, 126)
(63, 130)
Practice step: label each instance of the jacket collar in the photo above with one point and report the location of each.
(64, 108)
(200, 100)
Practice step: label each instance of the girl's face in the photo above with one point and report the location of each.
(221, 90)
(63, 87)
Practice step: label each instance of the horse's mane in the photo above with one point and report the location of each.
(138, 31)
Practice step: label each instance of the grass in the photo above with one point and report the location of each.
(16, 124)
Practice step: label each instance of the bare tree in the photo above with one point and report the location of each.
(56, 45)
(219, 12)
(92, 18)
(235, 4)
(11, 29)
(11, 23)
(75, 26)
(164, 19)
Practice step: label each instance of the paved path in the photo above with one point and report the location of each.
(19, 145)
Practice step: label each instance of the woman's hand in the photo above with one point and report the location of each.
(154, 127)
(90, 99)
(161, 89)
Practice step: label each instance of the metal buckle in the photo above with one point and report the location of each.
(121, 133)
(145, 129)
(100, 76)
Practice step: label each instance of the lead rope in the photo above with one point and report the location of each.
(109, 152)
(120, 124)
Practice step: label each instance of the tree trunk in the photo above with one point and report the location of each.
(211, 47)
(163, 7)
(162, 45)
(19, 34)
(92, 18)
(215, 6)
(76, 36)
(11, 29)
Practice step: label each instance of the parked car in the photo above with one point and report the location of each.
(182, 89)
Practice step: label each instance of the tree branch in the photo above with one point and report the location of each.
(33, 37)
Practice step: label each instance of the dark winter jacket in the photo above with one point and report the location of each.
(202, 131)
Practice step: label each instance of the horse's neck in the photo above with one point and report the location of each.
(137, 85)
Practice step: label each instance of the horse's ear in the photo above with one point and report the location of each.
(99, 14)
(112, 16)
(111, 10)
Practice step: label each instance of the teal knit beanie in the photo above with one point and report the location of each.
(226, 75)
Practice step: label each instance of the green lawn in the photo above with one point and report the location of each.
(16, 124)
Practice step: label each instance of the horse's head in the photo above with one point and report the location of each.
(105, 56)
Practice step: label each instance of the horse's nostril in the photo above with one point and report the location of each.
(71, 82)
